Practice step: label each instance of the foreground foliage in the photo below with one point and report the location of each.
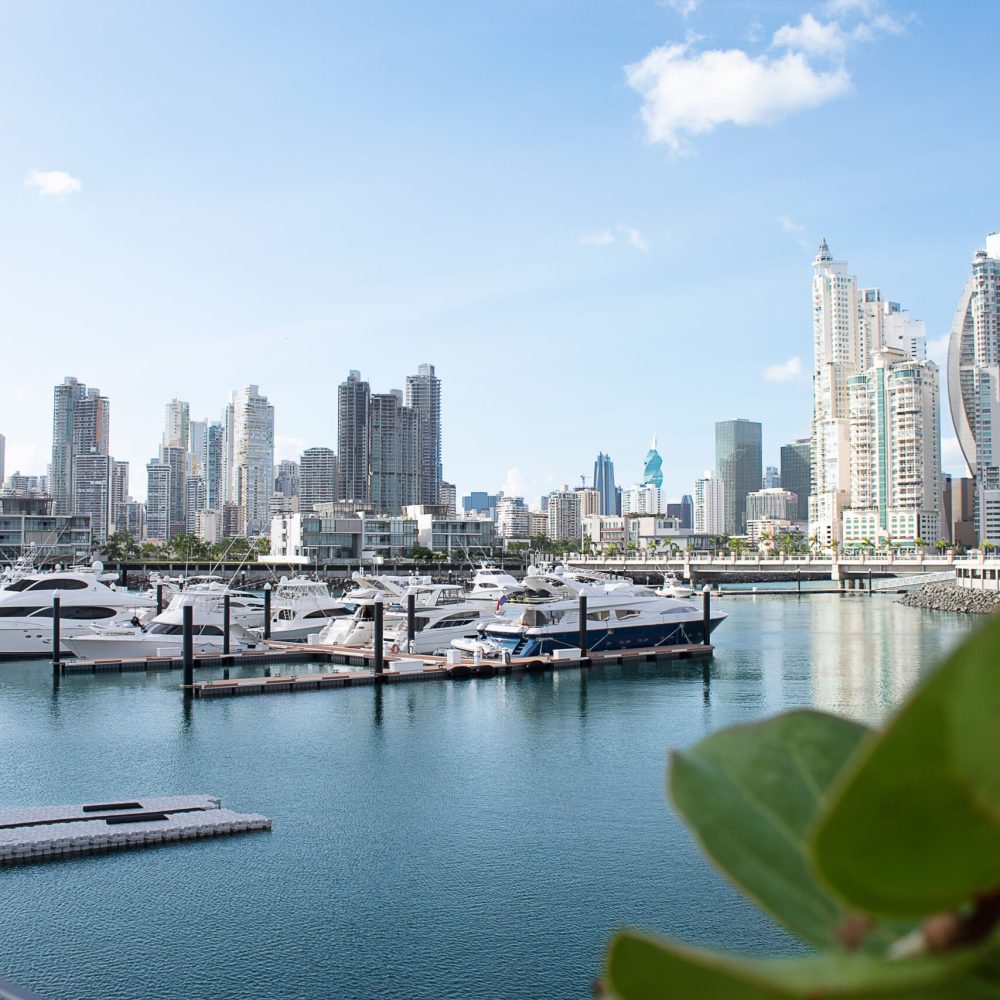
(881, 849)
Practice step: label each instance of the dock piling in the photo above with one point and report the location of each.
(188, 646)
(159, 599)
(706, 615)
(378, 635)
(225, 625)
(583, 628)
(56, 638)
(411, 604)
(267, 611)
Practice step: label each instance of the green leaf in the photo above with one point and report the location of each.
(912, 826)
(644, 968)
(751, 794)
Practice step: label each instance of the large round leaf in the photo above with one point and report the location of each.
(644, 968)
(751, 794)
(912, 826)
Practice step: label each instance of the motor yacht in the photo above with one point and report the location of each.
(164, 634)
(489, 584)
(301, 607)
(673, 586)
(84, 599)
(619, 616)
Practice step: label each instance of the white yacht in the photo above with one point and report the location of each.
(490, 584)
(674, 586)
(164, 634)
(85, 600)
(301, 607)
(443, 613)
(619, 616)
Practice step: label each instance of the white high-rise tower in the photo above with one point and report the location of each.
(974, 383)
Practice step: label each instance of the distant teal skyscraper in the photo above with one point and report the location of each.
(653, 473)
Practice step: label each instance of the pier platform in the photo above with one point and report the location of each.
(407, 669)
(45, 832)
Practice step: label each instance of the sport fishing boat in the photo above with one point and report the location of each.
(621, 616)
(673, 586)
(164, 634)
(84, 599)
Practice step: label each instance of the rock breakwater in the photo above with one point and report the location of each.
(948, 597)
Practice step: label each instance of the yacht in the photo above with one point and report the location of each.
(490, 584)
(301, 607)
(674, 586)
(620, 616)
(164, 634)
(84, 600)
(443, 613)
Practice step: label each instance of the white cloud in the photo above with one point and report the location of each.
(952, 459)
(516, 484)
(687, 93)
(52, 183)
(790, 225)
(791, 372)
(288, 449)
(601, 238)
(937, 351)
(812, 36)
(683, 7)
(605, 237)
(634, 238)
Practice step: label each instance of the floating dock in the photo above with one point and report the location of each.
(405, 669)
(45, 832)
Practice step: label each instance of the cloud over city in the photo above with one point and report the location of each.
(52, 183)
(790, 372)
(606, 237)
(688, 91)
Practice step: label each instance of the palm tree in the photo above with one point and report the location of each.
(941, 545)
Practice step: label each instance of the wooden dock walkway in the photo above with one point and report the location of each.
(44, 832)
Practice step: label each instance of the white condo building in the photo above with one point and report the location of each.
(642, 498)
(564, 515)
(974, 383)
(512, 518)
(251, 456)
(850, 326)
(896, 482)
(709, 505)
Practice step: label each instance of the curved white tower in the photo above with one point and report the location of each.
(974, 382)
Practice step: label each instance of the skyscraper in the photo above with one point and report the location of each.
(80, 426)
(317, 478)
(353, 395)
(423, 396)
(92, 492)
(287, 479)
(394, 453)
(796, 466)
(252, 470)
(564, 515)
(119, 496)
(212, 464)
(157, 500)
(652, 473)
(895, 451)
(3, 456)
(974, 383)
(738, 460)
(176, 427)
(709, 505)
(604, 483)
(772, 478)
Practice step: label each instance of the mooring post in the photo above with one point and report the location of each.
(869, 583)
(378, 635)
(159, 599)
(706, 615)
(798, 579)
(411, 607)
(267, 610)
(225, 625)
(56, 639)
(583, 627)
(187, 619)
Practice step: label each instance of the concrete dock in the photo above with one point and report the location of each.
(44, 832)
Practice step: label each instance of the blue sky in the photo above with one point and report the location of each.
(596, 219)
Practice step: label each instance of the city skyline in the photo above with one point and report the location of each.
(191, 283)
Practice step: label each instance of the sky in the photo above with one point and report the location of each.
(596, 218)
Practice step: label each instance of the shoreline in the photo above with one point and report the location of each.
(949, 597)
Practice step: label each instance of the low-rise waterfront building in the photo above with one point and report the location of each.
(605, 530)
(28, 525)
